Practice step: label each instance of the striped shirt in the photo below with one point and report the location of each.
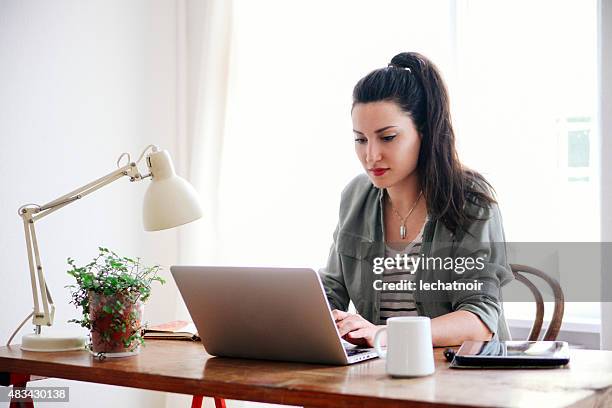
(400, 303)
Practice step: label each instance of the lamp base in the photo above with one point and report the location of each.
(52, 342)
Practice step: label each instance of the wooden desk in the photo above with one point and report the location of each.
(185, 367)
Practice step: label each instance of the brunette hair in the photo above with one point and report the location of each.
(415, 84)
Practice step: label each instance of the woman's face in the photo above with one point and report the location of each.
(386, 142)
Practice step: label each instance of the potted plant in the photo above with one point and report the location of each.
(111, 291)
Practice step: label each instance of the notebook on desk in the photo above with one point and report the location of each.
(264, 313)
(174, 330)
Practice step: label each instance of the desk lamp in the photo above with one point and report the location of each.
(169, 201)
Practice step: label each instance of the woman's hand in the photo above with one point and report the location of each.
(355, 329)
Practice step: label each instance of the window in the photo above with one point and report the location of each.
(525, 110)
(522, 81)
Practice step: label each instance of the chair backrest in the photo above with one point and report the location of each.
(519, 272)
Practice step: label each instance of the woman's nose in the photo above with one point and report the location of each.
(373, 154)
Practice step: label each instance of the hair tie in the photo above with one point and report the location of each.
(397, 66)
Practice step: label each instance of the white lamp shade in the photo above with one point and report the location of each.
(170, 200)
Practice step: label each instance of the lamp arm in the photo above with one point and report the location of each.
(30, 213)
(129, 170)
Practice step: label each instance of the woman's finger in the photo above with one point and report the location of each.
(356, 341)
(351, 323)
(339, 315)
(360, 333)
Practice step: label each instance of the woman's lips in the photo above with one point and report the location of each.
(378, 171)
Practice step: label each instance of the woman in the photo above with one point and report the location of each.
(416, 201)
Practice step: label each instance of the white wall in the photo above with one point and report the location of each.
(80, 83)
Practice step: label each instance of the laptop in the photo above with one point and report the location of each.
(264, 313)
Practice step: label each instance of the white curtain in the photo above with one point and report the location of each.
(203, 44)
(204, 36)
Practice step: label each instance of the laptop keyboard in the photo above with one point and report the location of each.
(355, 351)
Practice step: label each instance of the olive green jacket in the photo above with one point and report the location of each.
(359, 238)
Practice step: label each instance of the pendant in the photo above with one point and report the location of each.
(402, 231)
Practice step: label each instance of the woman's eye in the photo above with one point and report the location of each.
(360, 140)
(388, 138)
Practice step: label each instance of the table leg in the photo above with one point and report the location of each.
(20, 381)
(196, 402)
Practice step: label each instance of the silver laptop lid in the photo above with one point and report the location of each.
(263, 313)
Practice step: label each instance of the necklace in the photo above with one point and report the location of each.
(404, 219)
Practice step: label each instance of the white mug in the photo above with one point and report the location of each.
(409, 349)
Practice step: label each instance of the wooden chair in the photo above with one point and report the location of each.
(519, 272)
